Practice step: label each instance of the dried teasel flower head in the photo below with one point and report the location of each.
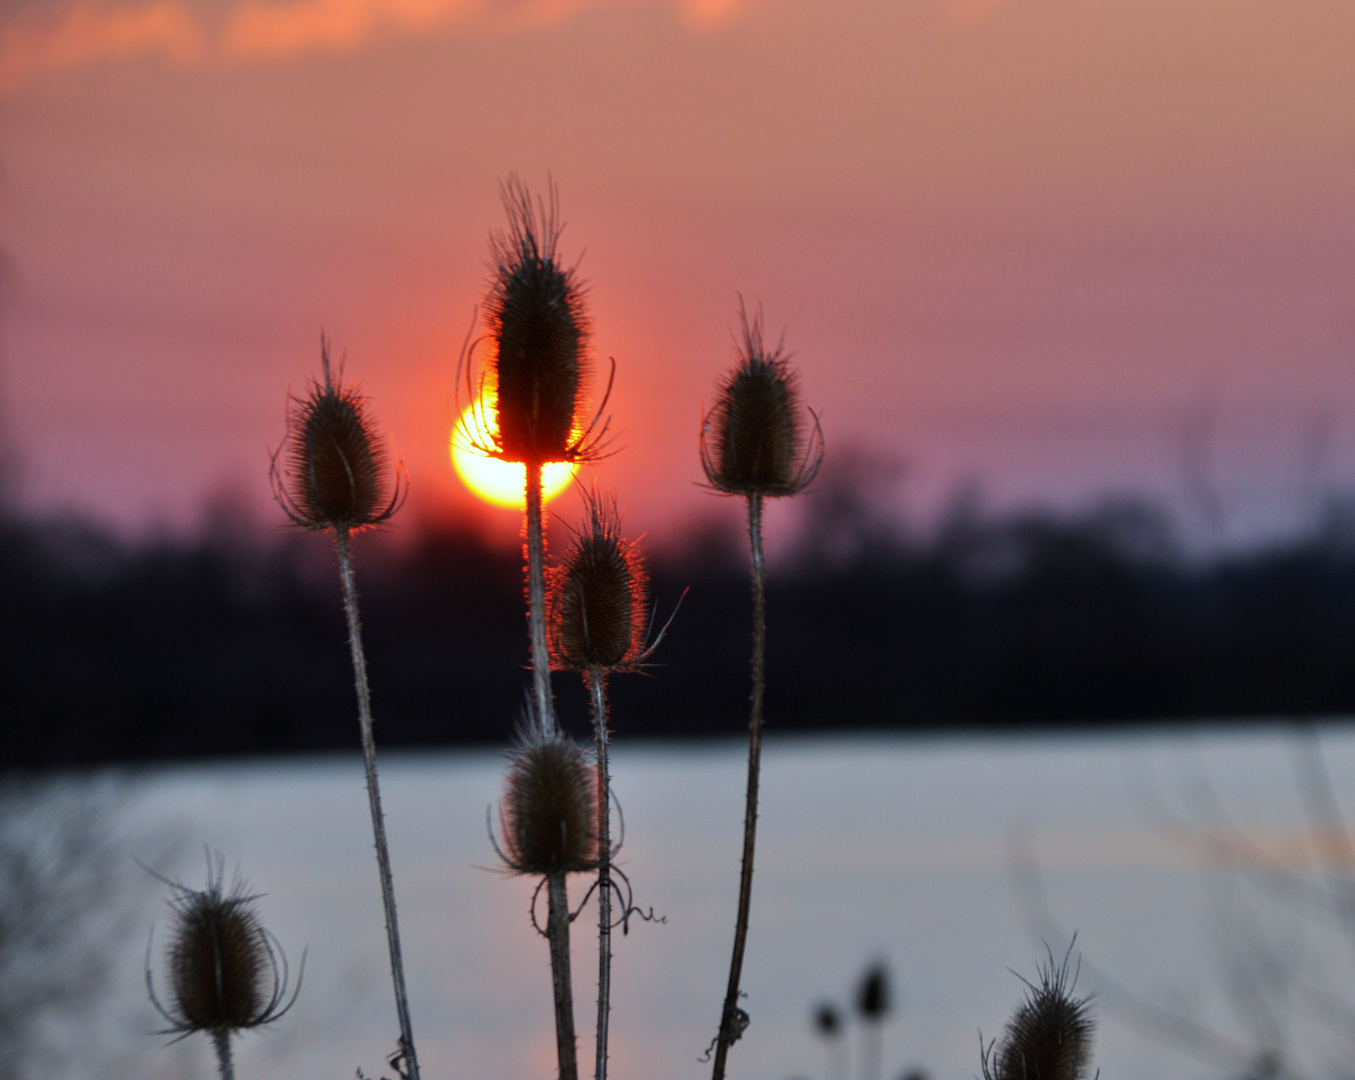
(754, 441)
(548, 812)
(828, 1021)
(337, 474)
(596, 598)
(539, 329)
(226, 972)
(1049, 1036)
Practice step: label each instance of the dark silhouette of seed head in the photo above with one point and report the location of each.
(828, 1021)
(596, 598)
(338, 475)
(226, 972)
(1049, 1036)
(753, 442)
(872, 996)
(548, 811)
(536, 318)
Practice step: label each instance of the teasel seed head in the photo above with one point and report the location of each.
(338, 475)
(754, 440)
(1049, 1036)
(828, 1021)
(596, 598)
(539, 329)
(548, 812)
(226, 972)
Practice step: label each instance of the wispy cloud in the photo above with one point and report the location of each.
(87, 32)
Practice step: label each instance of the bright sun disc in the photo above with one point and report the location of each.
(500, 482)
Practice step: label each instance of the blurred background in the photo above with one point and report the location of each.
(1071, 285)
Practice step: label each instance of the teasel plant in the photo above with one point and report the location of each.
(1049, 1036)
(595, 605)
(537, 369)
(227, 972)
(548, 825)
(755, 443)
(332, 473)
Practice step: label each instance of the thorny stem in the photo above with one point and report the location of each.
(732, 1019)
(383, 862)
(558, 927)
(597, 684)
(224, 1065)
(536, 598)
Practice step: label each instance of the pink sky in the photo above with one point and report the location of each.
(1017, 241)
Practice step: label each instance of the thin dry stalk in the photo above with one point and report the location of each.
(536, 598)
(558, 932)
(350, 607)
(224, 1065)
(597, 685)
(733, 1020)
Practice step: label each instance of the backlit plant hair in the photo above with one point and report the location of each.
(548, 822)
(595, 605)
(538, 370)
(754, 443)
(226, 972)
(1049, 1036)
(339, 477)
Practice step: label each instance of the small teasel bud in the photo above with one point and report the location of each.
(828, 1021)
(1049, 1036)
(548, 813)
(338, 474)
(754, 442)
(872, 996)
(226, 972)
(596, 597)
(535, 312)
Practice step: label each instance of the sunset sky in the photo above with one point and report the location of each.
(1034, 244)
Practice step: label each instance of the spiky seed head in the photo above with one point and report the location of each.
(536, 317)
(828, 1021)
(338, 474)
(597, 596)
(1049, 1036)
(226, 973)
(548, 810)
(872, 997)
(754, 442)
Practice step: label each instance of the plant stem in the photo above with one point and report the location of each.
(383, 862)
(558, 927)
(597, 684)
(224, 1065)
(731, 1020)
(536, 598)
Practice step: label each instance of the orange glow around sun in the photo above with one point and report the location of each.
(502, 483)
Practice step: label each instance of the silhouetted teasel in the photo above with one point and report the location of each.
(596, 598)
(828, 1021)
(595, 603)
(755, 440)
(547, 818)
(226, 972)
(339, 477)
(755, 443)
(1049, 1036)
(538, 369)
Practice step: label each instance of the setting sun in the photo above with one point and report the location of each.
(499, 482)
